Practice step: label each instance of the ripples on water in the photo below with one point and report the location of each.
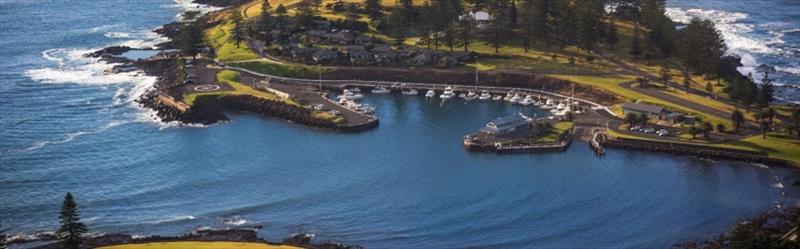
(408, 183)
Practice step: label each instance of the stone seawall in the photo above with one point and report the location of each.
(695, 150)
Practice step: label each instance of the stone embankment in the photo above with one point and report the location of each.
(694, 150)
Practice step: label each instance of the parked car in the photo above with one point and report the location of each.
(318, 107)
(649, 130)
(636, 128)
(663, 132)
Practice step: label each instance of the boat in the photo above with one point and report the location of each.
(448, 93)
(497, 97)
(430, 94)
(355, 89)
(351, 96)
(549, 104)
(471, 96)
(515, 99)
(462, 95)
(342, 100)
(411, 91)
(485, 96)
(560, 106)
(508, 97)
(380, 90)
(527, 101)
(538, 103)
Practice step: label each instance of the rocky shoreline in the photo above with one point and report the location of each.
(49, 241)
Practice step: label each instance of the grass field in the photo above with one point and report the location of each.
(558, 129)
(283, 70)
(200, 245)
(219, 38)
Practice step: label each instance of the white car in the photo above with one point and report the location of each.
(649, 130)
(663, 132)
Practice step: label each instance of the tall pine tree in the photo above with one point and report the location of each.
(237, 31)
(71, 228)
(636, 46)
(266, 21)
(498, 27)
(373, 9)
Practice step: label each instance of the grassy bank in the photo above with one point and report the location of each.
(219, 37)
(282, 70)
(200, 245)
(553, 135)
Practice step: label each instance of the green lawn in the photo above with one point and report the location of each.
(219, 38)
(282, 70)
(553, 135)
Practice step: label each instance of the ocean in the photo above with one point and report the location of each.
(67, 126)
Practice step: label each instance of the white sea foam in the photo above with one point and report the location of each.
(790, 70)
(67, 138)
(234, 221)
(189, 5)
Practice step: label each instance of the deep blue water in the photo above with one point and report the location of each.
(65, 126)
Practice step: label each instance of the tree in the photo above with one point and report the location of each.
(737, 118)
(189, 39)
(237, 31)
(636, 46)
(2, 238)
(612, 36)
(266, 21)
(720, 127)
(766, 92)
(465, 28)
(373, 9)
(796, 120)
(307, 11)
(642, 119)
(693, 131)
(631, 118)
(707, 127)
(765, 126)
(687, 84)
(589, 19)
(665, 75)
(702, 47)
(709, 87)
(498, 27)
(71, 228)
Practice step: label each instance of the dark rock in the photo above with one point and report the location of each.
(109, 51)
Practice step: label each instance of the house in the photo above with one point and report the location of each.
(325, 56)
(362, 39)
(303, 53)
(651, 111)
(381, 48)
(360, 56)
(508, 124)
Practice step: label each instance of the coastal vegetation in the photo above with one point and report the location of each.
(200, 245)
(281, 70)
(220, 37)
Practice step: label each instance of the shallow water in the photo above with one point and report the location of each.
(408, 183)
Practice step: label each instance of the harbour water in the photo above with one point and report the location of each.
(66, 126)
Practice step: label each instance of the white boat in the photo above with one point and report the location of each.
(515, 99)
(497, 97)
(448, 93)
(430, 94)
(508, 97)
(410, 92)
(355, 89)
(351, 96)
(342, 100)
(471, 96)
(380, 90)
(560, 106)
(485, 96)
(527, 101)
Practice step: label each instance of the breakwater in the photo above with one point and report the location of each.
(695, 150)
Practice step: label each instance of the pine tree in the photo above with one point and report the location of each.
(466, 28)
(612, 35)
(766, 91)
(237, 31)
(71, 228)
(190, 37)
(498, 26)
(266, 21)
(636, 46)
(307, 11)
(2, 238)
(373, 9)
(737, 118)
(709, 87)
(527, 22)
(666, 75)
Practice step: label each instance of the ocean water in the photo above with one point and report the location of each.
(66, 126)
(760, 32)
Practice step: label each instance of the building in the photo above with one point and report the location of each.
(325, 56)
(651, 111)
(508, 124)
